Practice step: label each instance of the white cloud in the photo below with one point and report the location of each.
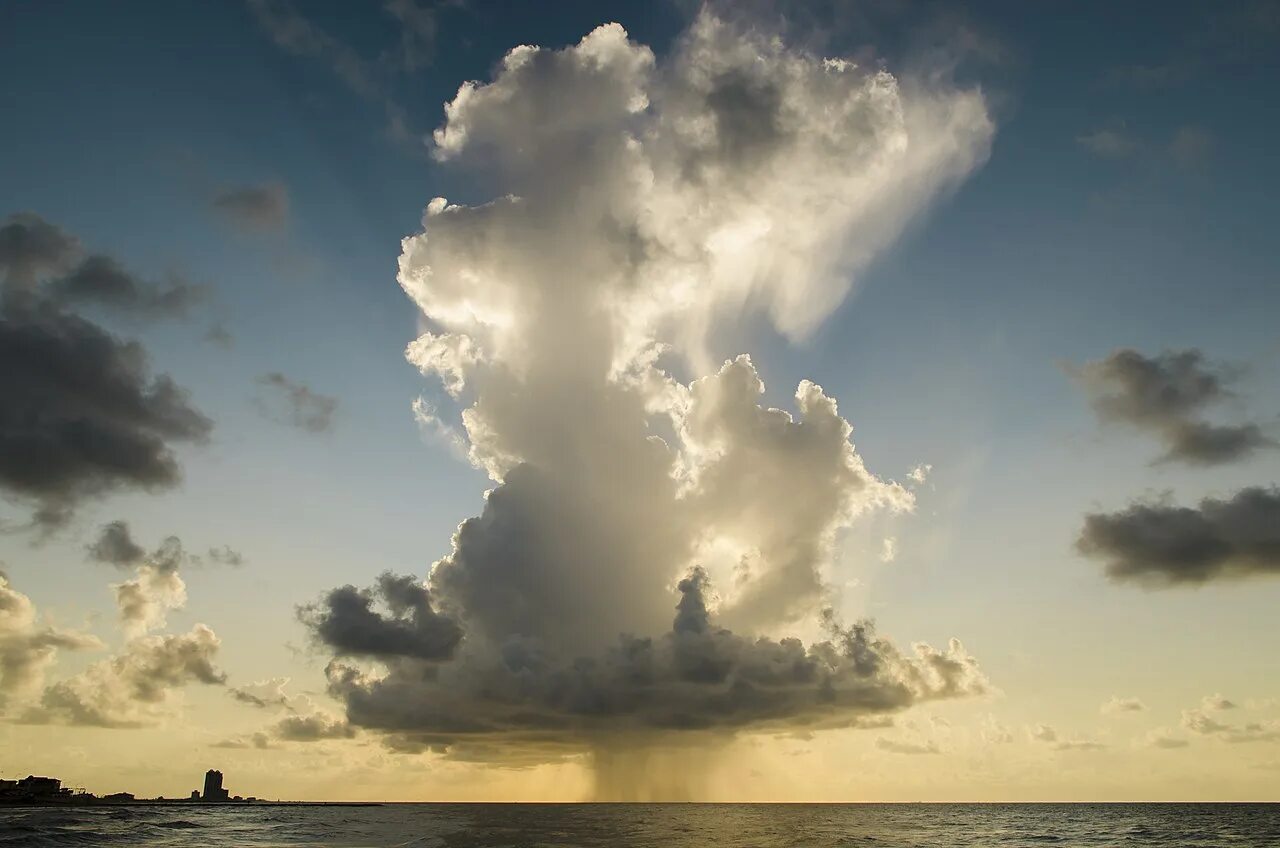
(644, 202)
(27, 647)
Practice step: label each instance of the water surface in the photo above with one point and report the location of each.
(656, 825)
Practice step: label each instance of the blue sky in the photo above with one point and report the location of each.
(1128, 201)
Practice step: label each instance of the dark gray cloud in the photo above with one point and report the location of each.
(36, 254)
(1160, 544)
(346, 621)
(255, 208)
(115, 545)
(82, 414)
(697, 678)
(294, 403)
(312, 728)
(225, 555)
(32, 249)
(1165, 395)
(102, 281)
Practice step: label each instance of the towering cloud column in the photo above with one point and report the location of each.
(637, 204)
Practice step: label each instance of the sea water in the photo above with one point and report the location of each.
(657, 825)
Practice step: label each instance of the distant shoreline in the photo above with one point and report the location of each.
(186, 802)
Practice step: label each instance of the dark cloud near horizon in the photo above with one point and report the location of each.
(345, 620)
(697, 678)
(1165, 396)
(1160, 544)
(295, 404)
(256, 208)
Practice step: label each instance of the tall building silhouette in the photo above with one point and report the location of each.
(213, 790)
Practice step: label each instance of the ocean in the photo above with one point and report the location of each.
(657, 825)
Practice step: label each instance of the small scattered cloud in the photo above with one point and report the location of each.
(419, 27)
(1160, 544)
(225, 555)
(219, 336)
(259, 740)
(297, 35)
(265, 694)
(920, 474)
(296, 404)
(255, 208)
(899, 746)
(1048, 735)
(313, 728)
(995, 733)
(115, 546)
(1116, 704)
(1165, 396)
(1199, 721)
(1109, 143)
(889, 549)
(1164, 738)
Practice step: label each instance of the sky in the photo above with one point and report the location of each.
(866, 401)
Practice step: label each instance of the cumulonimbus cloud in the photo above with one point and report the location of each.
(1162, 544)
(639, 204)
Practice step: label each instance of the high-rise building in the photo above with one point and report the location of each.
(213, 790)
